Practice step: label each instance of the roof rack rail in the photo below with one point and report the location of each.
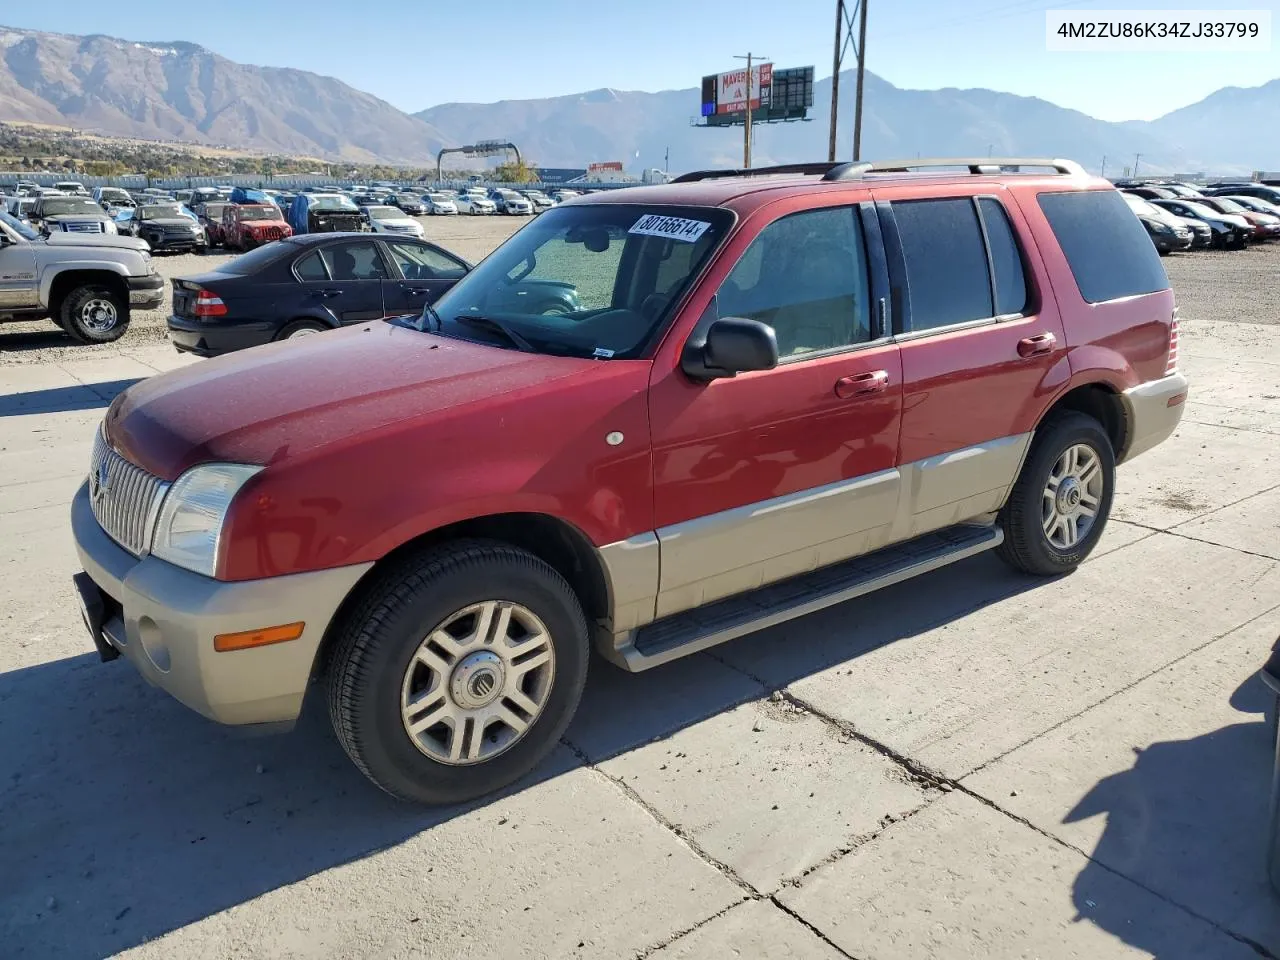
(810, 169)
(978, 166)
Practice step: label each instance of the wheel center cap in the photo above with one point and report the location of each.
(1069, 495)
(477, 680)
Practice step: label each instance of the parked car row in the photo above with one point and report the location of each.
(1223, 215)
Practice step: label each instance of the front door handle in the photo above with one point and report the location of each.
(415, 291)
(326, 294)
(1034, 346)
(862, 385)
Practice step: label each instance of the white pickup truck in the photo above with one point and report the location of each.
(85, 283)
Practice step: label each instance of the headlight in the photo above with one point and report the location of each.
(193, 512)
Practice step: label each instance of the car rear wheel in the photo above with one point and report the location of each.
(93, 314)
(1062, 498)
(458, 671)
(301, 328)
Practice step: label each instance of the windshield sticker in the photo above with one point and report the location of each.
(675, 228)
(601, 353)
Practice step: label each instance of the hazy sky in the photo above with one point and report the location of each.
(404, 52)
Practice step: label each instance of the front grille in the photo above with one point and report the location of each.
(124, 497)
(93, 226)
(267, 234)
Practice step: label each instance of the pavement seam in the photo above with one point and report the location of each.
(1186, 536)
(1125, 689)
(773, 898)
(1209, 513)
(1227, 426)
(667, 941)
(1258, 948)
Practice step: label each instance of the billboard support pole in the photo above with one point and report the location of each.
(835, 83)
(862, 64)
(746, 129)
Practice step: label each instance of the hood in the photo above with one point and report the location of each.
(112, 240)
(73, 217)
(166, 222)
(282, 401)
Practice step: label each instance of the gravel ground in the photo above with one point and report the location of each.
(1231, 285)
(472, 238)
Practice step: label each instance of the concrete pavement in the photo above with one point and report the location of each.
(973, 764)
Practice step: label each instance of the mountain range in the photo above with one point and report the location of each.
(182, 91)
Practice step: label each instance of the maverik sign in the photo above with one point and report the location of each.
(731, 89)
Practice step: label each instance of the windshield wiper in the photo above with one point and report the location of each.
(499, 326)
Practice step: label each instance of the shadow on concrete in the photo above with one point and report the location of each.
(59, 399)
(1189, 821)
(128, 816)
(25, 340)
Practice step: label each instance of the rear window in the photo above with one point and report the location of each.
(1106, 246)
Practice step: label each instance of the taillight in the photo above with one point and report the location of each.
(209, 305)
(1171, 366)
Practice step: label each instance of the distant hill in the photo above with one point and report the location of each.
(1241, 122)
(181, 91)
(638, 128)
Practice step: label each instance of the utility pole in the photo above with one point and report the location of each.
(1103, 174)
(666, 162)
(844, 38)
(1136, 158)
(862, 65)
(746, 130)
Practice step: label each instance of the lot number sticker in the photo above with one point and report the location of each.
(675, 228)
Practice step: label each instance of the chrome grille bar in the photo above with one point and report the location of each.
(124, 497)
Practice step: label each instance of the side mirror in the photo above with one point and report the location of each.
(732, 345)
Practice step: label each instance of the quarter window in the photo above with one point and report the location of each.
(310, 268)
(946, 260)
(420, 262)
(1106, 246)
(805, 275)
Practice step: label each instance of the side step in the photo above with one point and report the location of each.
(685, 633)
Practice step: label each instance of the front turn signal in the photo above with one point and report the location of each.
(262, 637)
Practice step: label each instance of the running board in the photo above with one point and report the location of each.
(684, 633)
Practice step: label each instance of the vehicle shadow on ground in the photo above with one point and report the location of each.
(34, 340)
(128, 816)
(60, 399)
(1189, 821)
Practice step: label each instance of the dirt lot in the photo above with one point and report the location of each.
(472, 238)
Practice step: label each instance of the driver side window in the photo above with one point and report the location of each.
(805, 275)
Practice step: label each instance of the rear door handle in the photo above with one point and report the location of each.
(415, 291)
(862, 385)
(1034, 346)
(329, 293)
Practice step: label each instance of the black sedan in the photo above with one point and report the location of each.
(409, 204)
(306, 284)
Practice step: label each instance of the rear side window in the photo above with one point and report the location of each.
(1006, 259)
(946, 260)
(1106, 246)
(310, 267)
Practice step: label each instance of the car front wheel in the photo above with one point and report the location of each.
(94, 314)
(458, 672)
(1061, 500)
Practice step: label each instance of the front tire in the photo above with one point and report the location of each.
(94, 314)
(458, 672)
(1062, 498)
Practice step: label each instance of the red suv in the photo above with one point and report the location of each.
(249, 225)
(772, 391)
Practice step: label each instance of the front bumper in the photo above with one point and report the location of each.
(146, 292)
(1152, 412)
(163, 619)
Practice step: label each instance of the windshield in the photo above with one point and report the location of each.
(596, 280)
(440, 198)
(159, 212)
(259, 213)
(384, 213)
(56, 206)
(1200, 210)
(110, 194)
(407, 198)
(332, 203)
(17, 226)
(1228, 206)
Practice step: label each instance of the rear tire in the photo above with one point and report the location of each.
(301, 328)
(93, 314)
(1061, 500)
(477, 647)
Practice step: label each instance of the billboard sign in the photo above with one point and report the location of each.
(731, 89)
(776, 95)
(609, 166)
